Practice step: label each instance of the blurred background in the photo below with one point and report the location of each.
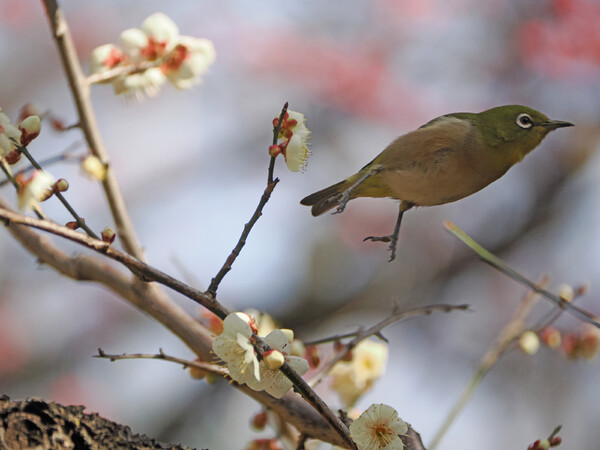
(193, 164)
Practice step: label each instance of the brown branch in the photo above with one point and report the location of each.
(148, 292)
(80, 221)
(271, 183)
(213, 368)
(109, 75)
(80, 90)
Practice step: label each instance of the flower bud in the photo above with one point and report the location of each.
(590, 343)
(30, 129)
(565, 292)
(198, 373)
(108, 235)
(274, 150)
(259, 421)
(61, 185)
(312, 355)
(94, 168)
(73, 225)
(551, 337)
(13, 157)
(529, 342)
(273, 359)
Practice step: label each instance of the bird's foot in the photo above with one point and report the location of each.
(342, 201)
(392, 239)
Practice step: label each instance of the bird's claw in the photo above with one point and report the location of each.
(393, 240)
(342, 201)
(379, 238)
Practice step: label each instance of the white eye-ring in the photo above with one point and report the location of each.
(524, 120)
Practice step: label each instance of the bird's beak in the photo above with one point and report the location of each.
(554, 124)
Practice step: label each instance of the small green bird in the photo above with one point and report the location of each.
(448, 158)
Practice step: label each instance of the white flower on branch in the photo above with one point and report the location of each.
(188, 61)
(273, 380)
(351, 379)
(155, 53)
(378, 427)
(137, 85)
(35, 189)
(105, 57)
(295, 137)
(7, 132)
(233, 346)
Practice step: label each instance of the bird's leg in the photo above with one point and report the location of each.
(344, 197)
(392, 238)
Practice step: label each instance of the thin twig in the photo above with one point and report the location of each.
(110, 74)
(10, 178)
(213, 368)
(395, 317)
(152, 274)
(502, 342)
(376, 330)
(64, 156)
(500, 265)
(80, 90)
(61, 197)
(271, 183)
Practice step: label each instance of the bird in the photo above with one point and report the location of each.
(447, 159)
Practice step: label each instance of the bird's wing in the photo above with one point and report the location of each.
(427, 146)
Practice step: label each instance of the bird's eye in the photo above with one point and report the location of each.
(524, 121)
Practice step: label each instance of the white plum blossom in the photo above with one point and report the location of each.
(296, 152)
(377, 428)
(188, 61)
(37, 188)
(274, 381)
(161, 29)
(154, 54)
(7, 132)
(137, 85)
(351, 379)
(105, 57)
(233, 346)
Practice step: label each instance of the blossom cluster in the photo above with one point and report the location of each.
(234, 346)
(12, 136)
(38, 186)
(152, 55)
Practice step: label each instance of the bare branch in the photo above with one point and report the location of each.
(80, 90)
(500, 265)
(271, 183)
(213, 368)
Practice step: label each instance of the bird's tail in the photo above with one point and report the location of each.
(325, 199)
